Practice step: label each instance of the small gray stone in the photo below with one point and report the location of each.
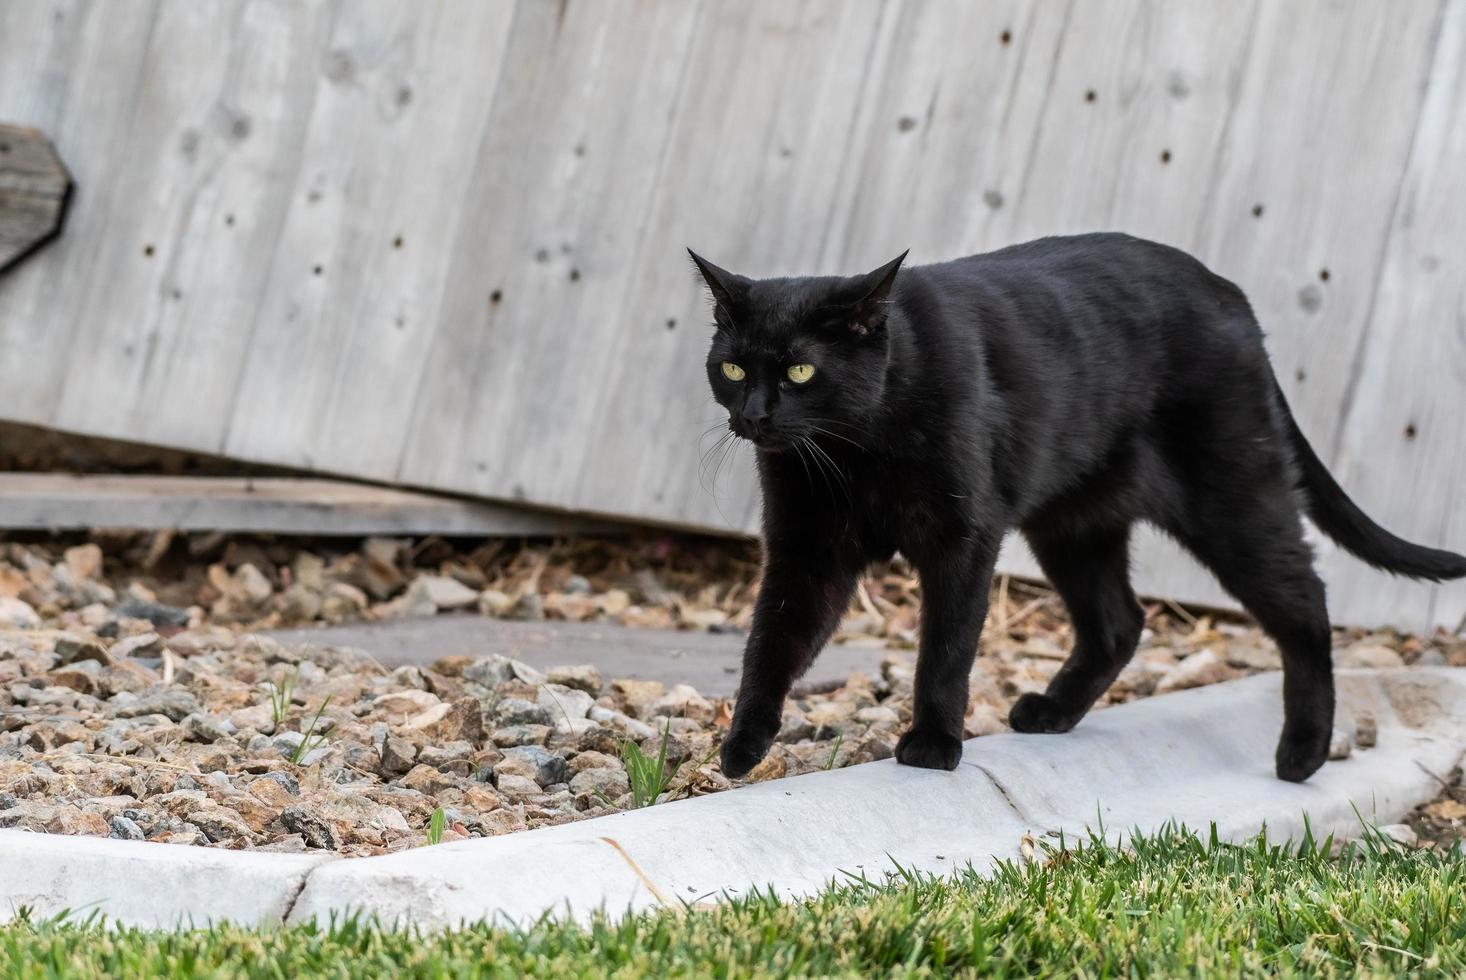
(528, 606)
(1431, 657)
(69, 651)
(577, 585)
(288, 742)
(581, 677)
(517, 711)
(489, 671)
(206, 728)
(564, 704)
(1400, 833)
(398, 755)
(1366, 729)
(521, 735)
(123, 828)
(287, 782)
(16, 614)
(218, 823)
(595, 785)
(176, 703)
(531, 760)
(154, 612)
(315, 831)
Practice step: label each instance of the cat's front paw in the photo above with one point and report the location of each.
(742, 750)
(1039, 713)
(928, 748)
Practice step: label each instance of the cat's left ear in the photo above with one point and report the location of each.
(869, 294)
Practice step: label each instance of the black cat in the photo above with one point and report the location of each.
(1068, 388)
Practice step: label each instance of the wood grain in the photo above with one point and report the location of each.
(274, 505)
(33, 190)
(442, 244)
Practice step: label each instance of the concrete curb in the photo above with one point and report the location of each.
(153, 886)
(1196, 757)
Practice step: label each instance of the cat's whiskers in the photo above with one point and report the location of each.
(833, 435)
(827, 467)
(718, 452)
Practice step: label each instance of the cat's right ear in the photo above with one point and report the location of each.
(725, 286)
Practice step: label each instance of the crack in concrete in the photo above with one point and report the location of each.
(1007, 798)
(305, 878)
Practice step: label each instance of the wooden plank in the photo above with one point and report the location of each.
(34, 186)
(507, 401)
(353, 297)
(1328, 101)
(58, 501)
(198, 204)
(1403, 452)
(748, 177)
(72, 70)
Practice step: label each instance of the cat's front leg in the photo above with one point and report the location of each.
(799, 605)
(955, 579)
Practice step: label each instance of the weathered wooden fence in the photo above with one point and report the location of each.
(440, 243)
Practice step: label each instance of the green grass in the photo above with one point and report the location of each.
(1173, 904)
(311, 741)
(647, 774)
(437, 823)
(281, 692)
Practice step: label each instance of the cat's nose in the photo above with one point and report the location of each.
(756, 421)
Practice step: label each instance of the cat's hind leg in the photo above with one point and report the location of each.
(1091, 572)
(1253, 542)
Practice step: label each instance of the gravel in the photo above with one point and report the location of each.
(114, 721)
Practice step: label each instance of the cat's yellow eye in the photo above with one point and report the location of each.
(800, 373)
(732, 371)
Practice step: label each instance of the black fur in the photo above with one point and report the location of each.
(1068, 388)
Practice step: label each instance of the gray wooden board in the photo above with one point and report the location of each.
(497, 196)
(33, 189)
(59, 501)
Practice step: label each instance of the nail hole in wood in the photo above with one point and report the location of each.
(671, 323)
(1090, 95)
(317, 270)
(574, 275)
(1257, 210)
(148, 250)
(1323, 274)
(1006, 37)
(397, 242)
(1410, 431)
(496, 297)
(1165, 156)
(229, 220)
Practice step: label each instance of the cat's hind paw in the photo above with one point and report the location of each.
(1300, 755)
(1038, 714)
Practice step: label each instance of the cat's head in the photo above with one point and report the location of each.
(802, 358)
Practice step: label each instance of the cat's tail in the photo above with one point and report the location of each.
(1341, 519)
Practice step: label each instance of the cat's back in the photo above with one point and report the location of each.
(1094, 259)
(1099, 283)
